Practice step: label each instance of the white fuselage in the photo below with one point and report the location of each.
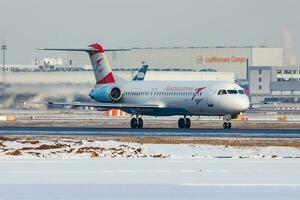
(185, 97)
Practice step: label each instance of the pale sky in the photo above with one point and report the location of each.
(28, 24)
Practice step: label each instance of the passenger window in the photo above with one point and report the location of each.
(241, 92)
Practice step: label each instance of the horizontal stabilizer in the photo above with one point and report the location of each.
(86, 49)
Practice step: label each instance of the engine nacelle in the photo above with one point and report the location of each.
(106, 94)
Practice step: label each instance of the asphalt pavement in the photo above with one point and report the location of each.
(202, 132)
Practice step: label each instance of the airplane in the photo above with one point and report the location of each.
(159, 98)
(140, 75)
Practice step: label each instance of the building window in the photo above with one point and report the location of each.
(259, 71)
(260, 87)
(288, 71)
(259, 79)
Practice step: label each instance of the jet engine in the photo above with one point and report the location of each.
(106, 94)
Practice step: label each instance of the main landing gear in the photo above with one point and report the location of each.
(227, 125)
(136, 122)
(184, 122)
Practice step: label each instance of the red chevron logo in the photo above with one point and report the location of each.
(198, 90)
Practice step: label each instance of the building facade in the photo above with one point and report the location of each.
(274, 84)
(221, 59)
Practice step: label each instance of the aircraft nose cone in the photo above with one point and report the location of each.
(236, 104)
(244, 104)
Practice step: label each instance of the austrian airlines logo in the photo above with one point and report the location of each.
(98, 66)
(198, 90)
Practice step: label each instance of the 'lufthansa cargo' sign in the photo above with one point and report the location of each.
(215, 59)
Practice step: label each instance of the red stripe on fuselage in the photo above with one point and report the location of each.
(109, 78)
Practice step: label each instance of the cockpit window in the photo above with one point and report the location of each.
(241, 92)
(221, 92)
(232, 91)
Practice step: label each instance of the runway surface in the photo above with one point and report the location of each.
(252, 133)
(31, 179)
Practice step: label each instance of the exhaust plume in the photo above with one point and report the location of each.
(288, 45)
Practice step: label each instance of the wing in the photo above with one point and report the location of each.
(99, 105)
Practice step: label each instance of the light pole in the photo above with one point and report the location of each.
(3, 48)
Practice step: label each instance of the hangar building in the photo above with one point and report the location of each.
(221, 59)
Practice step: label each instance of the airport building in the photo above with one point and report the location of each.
(274, 84)
(221, 59)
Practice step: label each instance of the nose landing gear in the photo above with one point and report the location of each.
(184, 122)
(227, 125)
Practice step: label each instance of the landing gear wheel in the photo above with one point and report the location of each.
(184, 123)
(187, 123)
(229, 125)
(134, 123)
(140, 123)
(225, 125)
(181, 123)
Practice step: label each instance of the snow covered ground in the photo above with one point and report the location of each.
(147, 178)
(82, 168)
(91, 148)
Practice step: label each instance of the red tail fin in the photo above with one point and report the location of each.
(101, 67)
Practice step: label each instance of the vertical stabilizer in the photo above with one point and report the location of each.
(101, 66)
